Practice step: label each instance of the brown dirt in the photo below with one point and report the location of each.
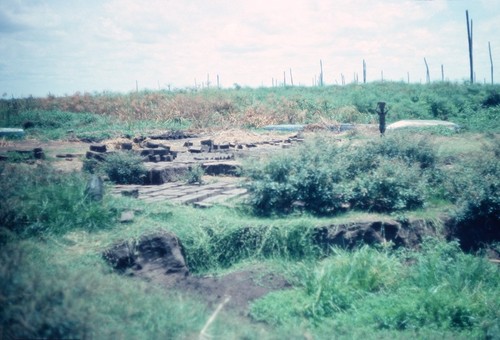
(242, 287)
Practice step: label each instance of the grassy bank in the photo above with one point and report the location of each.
(474, 107)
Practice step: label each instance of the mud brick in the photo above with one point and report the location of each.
(154, 158)
(95, 155)
(161, 152)
(126, 146)
(98, 148)
(152, 145)
(147, 152)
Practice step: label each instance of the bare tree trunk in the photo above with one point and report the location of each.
(284, 78)
(469, 39)
(442, 72)
(291, 77)
(321, 73)
(364, 72)
(427, 74)
(491, 62)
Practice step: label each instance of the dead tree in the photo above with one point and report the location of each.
(427, 74)
(291, 77)
(469, 39)
(320, 73)
(442, 72)
(364, 72)
(491, 62)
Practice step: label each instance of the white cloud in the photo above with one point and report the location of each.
(63, 47)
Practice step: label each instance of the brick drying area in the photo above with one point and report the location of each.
(221, 191)
(168, 158)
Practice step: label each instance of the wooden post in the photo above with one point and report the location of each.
(381, 117)
(364, 72)
(427, 74)
(491, 62)
(469, 39)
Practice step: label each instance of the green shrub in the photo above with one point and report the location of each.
(385, 175)
(474, 187)
(124, 167)
(392, 186)
(195, 174)
(39, 200)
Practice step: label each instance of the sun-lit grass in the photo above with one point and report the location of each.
(473, 107)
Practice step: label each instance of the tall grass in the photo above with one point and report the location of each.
(39, 201)
(474, 107)
(440, 288)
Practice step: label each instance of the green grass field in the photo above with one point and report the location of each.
(54, 282)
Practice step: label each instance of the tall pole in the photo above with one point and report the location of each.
(469, 39)
(427, 74)
(364, 72)
(491, 62)
(320, 73)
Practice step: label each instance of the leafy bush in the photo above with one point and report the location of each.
(195, 174)
(123, 167)
(383, 175)
(474, 186)
(38, 201)
(392, 186)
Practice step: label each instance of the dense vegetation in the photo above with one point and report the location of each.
(474, 107)
(54, 283)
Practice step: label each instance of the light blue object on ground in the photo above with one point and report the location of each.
(284, 127)
(11, 132)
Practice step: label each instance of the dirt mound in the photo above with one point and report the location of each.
(242, 287)
(158, 258)
(409, 233)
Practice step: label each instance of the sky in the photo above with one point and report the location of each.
(61, 47)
